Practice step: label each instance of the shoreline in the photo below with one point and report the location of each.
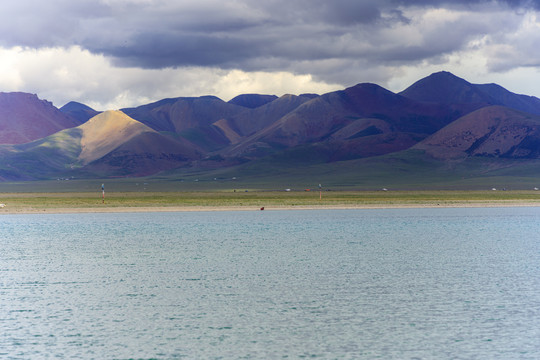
(140, 209)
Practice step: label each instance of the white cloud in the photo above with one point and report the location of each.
(120, 53)
(62, 75)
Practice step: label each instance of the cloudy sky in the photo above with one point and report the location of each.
(117, 53)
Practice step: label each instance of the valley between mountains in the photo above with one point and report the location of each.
(441, 132)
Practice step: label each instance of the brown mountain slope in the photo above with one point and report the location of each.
(252, 101)
(232, 136)
(444, 87)
(333, 116)
(79, 111)
(494, 131)
(113, 142)
(178, 114)
(109, 144)
(251, 121)
(233, 129)
(145, 154)
(24, 117)
(105, 132)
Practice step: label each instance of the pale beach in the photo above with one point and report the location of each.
(142, 209)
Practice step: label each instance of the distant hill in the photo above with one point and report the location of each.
(24, 117)
(493, 131)
(175, 115)
(363, 115)
(442, 128)
(232, 129)
(249, 122)
(252, 101)
(112, 142)
(79, 111)
(444, 87)
(109, 144)
(506, 98)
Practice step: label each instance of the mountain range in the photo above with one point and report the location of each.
(441, 120)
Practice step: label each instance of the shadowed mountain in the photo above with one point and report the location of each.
(211, 123)
(446, 88)
(79, 111)
(175, 115)
(208, 137)
(106, 132)
(493, 131)
(442, 127)
(109, 144)
(231, 130)
(146, 154)
(252, 101)
(249, 122)
(363, 115)
(24, 117)
(112, 142)
(506, 98)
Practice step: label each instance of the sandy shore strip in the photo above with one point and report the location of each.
(105, 209)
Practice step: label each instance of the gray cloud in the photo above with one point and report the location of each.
(40, 24)
(209, 33)
(294, 32)
(331, 40)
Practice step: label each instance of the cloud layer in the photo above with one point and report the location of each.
(120, 52)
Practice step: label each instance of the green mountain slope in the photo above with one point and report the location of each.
(103, 146)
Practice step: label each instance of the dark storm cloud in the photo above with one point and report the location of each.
(158, 50)
(46, 23)
(250, 34)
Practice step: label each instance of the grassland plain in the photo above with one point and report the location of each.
(65, 202)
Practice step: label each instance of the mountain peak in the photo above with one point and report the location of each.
(75, 106)
(110, 122)
(24, 117)
(367, 86)
(364, 120)
(444, 87)
(493, 131)
(252, 101)
(79, 111)
(102, 133)
(446, 75)
(370, 89)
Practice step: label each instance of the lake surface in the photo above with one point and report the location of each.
(346, 284)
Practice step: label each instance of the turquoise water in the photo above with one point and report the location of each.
(346, 284)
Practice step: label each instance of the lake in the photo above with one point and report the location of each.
(460, 283)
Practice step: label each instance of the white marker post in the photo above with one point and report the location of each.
(103, 192)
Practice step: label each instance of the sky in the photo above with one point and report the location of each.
(111, 54)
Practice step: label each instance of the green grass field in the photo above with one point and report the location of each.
(410, 177)
(256, 199)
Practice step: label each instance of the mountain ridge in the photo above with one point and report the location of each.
(443, 117)
(109, 143)
(492, 131)
(445, 87)
(19, 112)
(79, 111)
